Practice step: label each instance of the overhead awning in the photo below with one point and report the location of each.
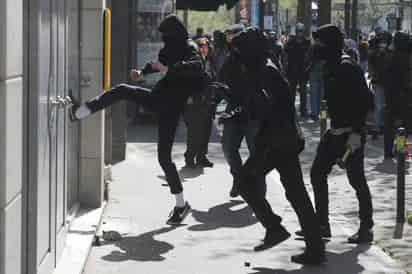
(204, 5)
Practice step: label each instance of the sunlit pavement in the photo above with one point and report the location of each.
(219, 235)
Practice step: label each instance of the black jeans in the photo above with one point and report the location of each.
(199, 120)
(234, 132)
(288, 166)
(329, 150)
(168, 122)
(120, 92)
(294, 82)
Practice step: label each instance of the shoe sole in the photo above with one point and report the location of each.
(322, 236)
(184, 215)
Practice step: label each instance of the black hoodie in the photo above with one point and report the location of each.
(185, 74)
(346, 92)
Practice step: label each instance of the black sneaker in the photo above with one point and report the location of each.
(273, 237)
(178, 214)
(363, 236)
(309, 258)
(324, 232)
(204, 162)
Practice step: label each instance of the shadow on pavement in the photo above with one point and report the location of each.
(338, 263)
(221, 216)
(141, 248)
(390, 167)
(190, 173)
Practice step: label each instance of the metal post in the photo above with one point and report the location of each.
(347, 17)
(354, 23)
(323, 117)
(401, 155)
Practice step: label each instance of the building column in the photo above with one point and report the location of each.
(92, 129)
(11, 135)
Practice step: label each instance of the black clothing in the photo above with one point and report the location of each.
(199, 118)
(348, 102)
(296, 71)
(288, 166)
(279, 115)
(185, 77)
(330, 149)
(168, 123)
(347, 95)
(296, 53)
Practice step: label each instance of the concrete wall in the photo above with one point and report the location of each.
(11, 134)
(92, 129)
(120, 73)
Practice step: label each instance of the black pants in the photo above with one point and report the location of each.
(199, 120)
(329, 150)
(252, 191)
(168, 122)
(120, 92)
(294, 82)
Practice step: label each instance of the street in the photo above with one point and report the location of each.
(219, 235)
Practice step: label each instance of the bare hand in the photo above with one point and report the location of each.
(136, 74)
(159, 66)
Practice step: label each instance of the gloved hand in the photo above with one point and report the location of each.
(354, 141)
(229, 115)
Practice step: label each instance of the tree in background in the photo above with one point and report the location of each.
(209, 21)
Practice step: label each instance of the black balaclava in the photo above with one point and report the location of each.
(174, 36)
(331, 46)
(251, 47)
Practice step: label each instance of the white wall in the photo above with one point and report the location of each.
(11, 130)
(92, 129)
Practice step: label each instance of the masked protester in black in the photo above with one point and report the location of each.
(348, 102)
(184, 76)
(243, 125)
(277, 147)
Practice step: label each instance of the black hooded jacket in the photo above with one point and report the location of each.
(185, 75)
(260, 87)
(346, 92)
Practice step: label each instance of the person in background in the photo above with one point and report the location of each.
(199, 34)
(276, 51)
(199, 115)
(378, 63)
(363, 54)
(396, 84)
(351, 48)
(296, 50)
(220, 51)
(314, 67)
(232, 31)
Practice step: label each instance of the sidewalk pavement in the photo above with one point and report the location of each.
(218, 237)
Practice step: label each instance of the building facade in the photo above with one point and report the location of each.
(49, 167)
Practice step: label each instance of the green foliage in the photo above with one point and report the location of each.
(210, 21)
(409, 217)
